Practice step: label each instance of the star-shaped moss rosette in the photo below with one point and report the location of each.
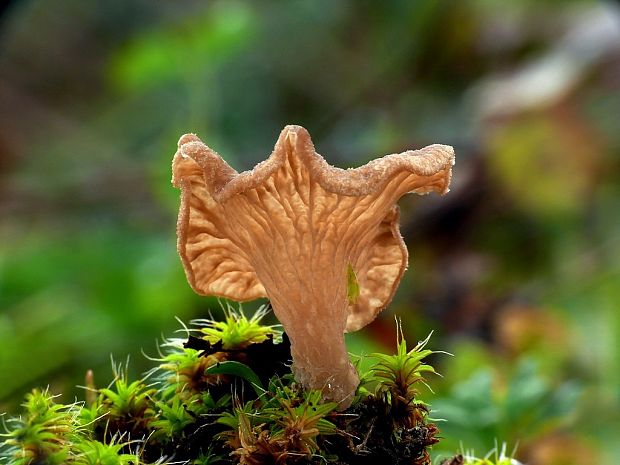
(322, 243)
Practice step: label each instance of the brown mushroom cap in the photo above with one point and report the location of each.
(289, 229)
(216, 266)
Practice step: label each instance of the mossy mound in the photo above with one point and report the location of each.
(225, 395)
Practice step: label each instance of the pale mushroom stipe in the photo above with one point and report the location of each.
(322, 243)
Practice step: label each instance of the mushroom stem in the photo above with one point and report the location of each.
(320, 357)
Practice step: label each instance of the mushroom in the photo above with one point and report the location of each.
(322, 243)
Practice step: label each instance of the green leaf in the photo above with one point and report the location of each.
(233, 368)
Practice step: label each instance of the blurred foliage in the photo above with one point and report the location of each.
(523, 408)
(219, 33)
(516, 268)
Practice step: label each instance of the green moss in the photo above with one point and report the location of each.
(227, 396)
(497, 456)
(45, 433)
(237, 330)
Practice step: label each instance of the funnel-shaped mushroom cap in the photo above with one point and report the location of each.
(304, 234)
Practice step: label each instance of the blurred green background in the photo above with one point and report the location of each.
(517, 269)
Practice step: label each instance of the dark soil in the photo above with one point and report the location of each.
(372, 436)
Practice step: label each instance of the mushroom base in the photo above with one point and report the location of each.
(337, 378)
